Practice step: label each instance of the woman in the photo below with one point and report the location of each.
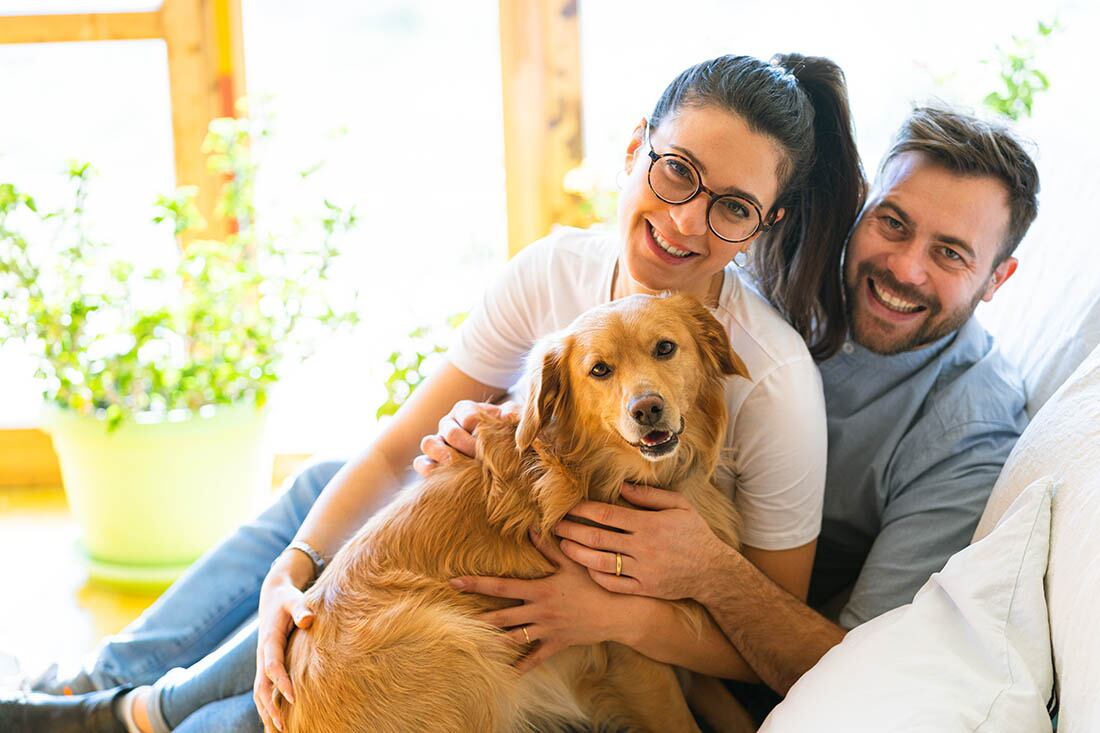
(738, 156)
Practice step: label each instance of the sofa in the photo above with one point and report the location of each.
(1007, 637)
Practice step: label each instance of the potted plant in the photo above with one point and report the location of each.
(156, 382)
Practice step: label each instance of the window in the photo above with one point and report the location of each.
(415, 89)
(102, 102)
(402, 102)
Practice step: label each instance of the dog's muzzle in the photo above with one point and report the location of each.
(659, 443)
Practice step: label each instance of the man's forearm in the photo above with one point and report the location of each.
(777, 634)
(662, 632)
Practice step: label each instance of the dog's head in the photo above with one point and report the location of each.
(641, 374)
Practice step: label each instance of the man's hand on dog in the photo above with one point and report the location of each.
(667, 549)
(563, 609)
(456, 433)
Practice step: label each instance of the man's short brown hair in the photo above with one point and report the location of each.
(970, 146)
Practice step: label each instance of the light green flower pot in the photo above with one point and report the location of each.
(152, 496)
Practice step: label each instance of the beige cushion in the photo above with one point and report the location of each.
(1063, 441)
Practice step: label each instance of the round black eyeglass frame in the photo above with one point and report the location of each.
(700, 188)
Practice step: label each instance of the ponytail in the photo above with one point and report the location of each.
(801, 102)
(798, 263)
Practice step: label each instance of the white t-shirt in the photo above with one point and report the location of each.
(775, 447)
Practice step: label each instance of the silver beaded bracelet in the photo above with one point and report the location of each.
(308, 551)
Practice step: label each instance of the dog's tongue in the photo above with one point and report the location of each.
(656, 437)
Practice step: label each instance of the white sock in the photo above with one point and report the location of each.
(124, 709)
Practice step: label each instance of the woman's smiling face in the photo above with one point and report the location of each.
(670, 247)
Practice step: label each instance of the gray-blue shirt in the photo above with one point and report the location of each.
(916, 441)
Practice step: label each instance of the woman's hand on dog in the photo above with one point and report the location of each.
(282, 607)
(563, 609)
(456, 433)
(666, 548)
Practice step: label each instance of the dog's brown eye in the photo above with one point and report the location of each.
(600, 371)
(664, 348)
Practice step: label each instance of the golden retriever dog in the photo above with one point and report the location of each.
(631, 391)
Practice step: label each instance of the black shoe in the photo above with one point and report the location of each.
(34, 712)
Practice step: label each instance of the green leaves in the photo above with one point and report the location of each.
(114, 340)
(409, 367)
(1020, 81)
(180, 209)
(11, 199)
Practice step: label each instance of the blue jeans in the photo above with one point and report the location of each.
(208, 611)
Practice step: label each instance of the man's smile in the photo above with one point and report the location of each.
(891, 300)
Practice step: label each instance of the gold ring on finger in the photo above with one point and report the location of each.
(526, 636)
(618, 564)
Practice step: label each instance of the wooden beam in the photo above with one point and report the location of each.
(229, 37)
(81, 27)
(206, 76)
(540, 66)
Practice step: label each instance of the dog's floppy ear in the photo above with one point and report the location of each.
(548, 390)
(714, 343)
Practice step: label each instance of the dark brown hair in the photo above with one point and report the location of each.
(801, 102)
(970, 146)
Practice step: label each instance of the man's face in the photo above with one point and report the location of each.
(921, 255)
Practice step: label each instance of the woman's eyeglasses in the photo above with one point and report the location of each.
(675, 180)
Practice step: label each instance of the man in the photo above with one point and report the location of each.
(922, 415)
(922, 412)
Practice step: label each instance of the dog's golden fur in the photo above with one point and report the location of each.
(395, 648)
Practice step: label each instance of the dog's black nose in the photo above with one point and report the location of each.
(647, 409)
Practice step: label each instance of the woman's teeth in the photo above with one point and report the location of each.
(674, 251)
(893, 302)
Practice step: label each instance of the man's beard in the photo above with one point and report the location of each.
(935, 325)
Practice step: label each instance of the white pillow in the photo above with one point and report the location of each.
(970, 653)
(1063, 440)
